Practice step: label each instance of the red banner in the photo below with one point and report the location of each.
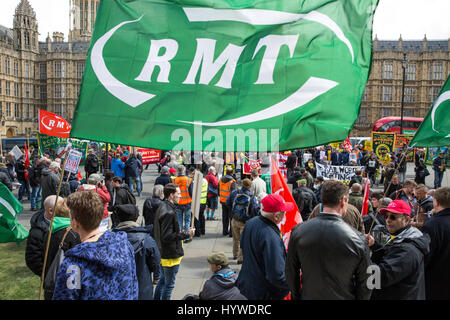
(149, 156)
(249, 165)
(53, 125)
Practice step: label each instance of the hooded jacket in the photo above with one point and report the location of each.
(221, 286)
(100, 270)
(149, 209)
(49, 183)
(401, 263)
(146, 254)
(118, 167)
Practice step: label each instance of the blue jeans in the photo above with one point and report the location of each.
(138, 184)
(166, 283)
(24, 186)
(438, 175)
(186, 212)
(36, 197)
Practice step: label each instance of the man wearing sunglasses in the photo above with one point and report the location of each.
(401, 258)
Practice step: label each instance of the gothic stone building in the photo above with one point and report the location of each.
(426, 69)
(41, 75)
(47, 75)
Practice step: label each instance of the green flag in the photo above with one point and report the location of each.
(434, 131)
(10, 229)
(225, 75)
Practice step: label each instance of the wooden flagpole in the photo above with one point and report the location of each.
(50, 229)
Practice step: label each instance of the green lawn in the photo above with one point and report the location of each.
(17, 282)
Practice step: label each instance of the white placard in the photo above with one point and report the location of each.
(73, 161)
(17, 153)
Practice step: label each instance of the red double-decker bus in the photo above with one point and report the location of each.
(392, 124)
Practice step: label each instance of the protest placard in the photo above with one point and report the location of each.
(383, 142)
(16, 152)
(73, 161)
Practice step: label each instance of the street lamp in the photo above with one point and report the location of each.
(404, 63)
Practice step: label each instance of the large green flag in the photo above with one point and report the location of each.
(10, 229)
(228, 75)
(434, 131)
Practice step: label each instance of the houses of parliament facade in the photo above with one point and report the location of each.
(47, 75)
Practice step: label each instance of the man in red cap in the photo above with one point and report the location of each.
(262, 276)
(327, 259)
(401, 259)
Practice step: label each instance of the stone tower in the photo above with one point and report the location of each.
(82, 19)
(25, 28)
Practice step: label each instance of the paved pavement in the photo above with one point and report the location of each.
(194, 269)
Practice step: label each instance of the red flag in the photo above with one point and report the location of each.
(27, 159)
(53, 125)
(293, 217)
(366, 199)
(347, 144)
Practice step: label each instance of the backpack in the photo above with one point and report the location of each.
(212, 190)
(241, 206)
(52, 271)
(93, 162)
(130, 197)
(305, 201)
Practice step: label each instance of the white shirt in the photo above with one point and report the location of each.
(258, 188)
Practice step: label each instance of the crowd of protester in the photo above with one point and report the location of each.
(403, 233)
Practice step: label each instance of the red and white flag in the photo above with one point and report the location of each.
(347, 144)
(53, 125)
(291, 218)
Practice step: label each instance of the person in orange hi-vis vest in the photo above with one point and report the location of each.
(226, 185)
(183, 209)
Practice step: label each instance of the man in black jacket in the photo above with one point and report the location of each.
(50, 180)
(24, 186)
(121, 194)
(437, 262)
(304, 198)
(439, 167)
(91, 164)
(146, 252)
(152, 204)
(400, 262)
(169, 239)
(339, 252)
(164, 178)
(40, 222)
